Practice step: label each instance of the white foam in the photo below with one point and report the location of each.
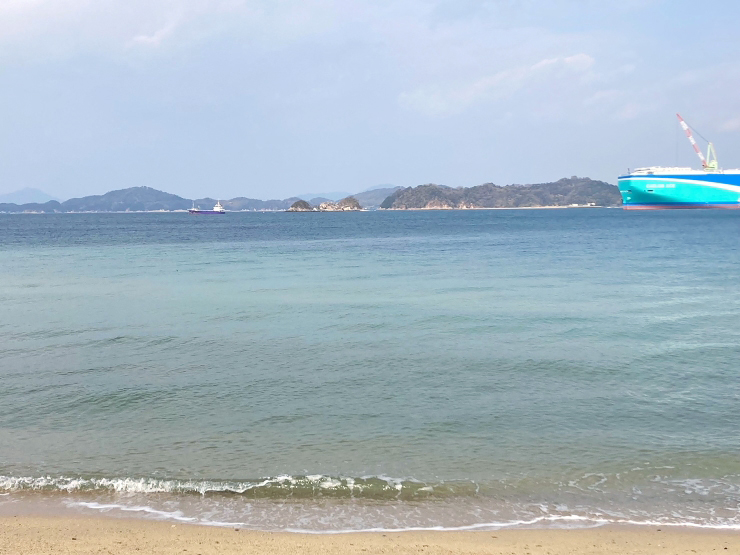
(392, 516)
(579, 521)
(467, 527)
(163, 515)
(522, 523)
(166, 515)
(151, 485)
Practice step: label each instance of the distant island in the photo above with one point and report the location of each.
(349, 203)
(574, 191)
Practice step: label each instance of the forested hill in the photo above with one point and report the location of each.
(131, 199)
(565, 192)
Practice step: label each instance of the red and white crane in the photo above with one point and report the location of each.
(709, 162)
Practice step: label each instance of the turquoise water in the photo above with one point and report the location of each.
(378, 370)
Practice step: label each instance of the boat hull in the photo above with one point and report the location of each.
(206, 212)
(679, 191)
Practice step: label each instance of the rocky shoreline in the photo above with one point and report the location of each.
(346, 204)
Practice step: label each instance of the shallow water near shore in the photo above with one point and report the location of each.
(378, 370)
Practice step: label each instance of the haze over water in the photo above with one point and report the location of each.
(371, 370)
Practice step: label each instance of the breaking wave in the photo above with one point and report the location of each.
(278, 487)
(336, 504)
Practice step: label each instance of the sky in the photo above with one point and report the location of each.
(266, 99)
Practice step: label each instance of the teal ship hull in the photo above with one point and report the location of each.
(661, 188)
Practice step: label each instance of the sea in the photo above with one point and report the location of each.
(389, 370)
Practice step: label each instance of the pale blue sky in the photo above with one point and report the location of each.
(266, 99)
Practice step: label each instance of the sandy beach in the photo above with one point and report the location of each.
(47, 535)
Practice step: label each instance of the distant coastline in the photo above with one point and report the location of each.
(566, 193)
(147, 199)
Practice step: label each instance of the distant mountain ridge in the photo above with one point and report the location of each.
(146, 199)
(374, 197)
(142, 199)
(575, 190)
(580, 191)
(133, 199)
(369, 198)
(28, 195)
(332, 196)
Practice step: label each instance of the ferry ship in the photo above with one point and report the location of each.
(217, 209)
(658, 188)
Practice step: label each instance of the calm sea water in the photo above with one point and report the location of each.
(378, 370)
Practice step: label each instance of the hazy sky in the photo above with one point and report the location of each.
(270, 98)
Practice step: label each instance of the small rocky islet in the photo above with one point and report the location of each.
(346, 204)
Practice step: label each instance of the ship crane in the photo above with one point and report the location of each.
(709, 163)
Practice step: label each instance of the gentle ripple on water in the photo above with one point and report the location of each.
(373, 370)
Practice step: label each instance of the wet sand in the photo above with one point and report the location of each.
(73, 535)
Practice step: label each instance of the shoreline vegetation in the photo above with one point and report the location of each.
(43, 535)
(565, 193)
